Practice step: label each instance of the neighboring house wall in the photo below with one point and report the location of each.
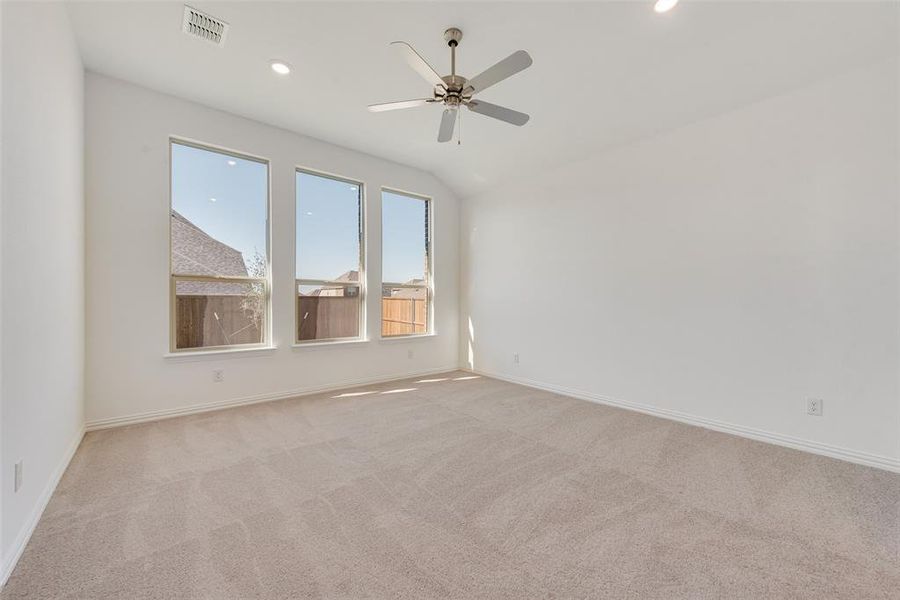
(41, 398)
(127, 157)
(723, 272)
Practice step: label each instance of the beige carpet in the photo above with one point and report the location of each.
(456, 487)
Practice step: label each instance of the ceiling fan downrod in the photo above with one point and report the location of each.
(453, 36)
(453, 94)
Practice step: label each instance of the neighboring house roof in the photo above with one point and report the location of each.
(414, 293)
(353, 277)
(349, 277)
(195, 252)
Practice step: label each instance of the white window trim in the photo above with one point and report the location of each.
(335, 343)
(409, 337)
(429, 275)
(363, 237)
(228, 352)
(266, 344)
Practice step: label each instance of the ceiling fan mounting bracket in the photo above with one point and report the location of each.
(453, 36)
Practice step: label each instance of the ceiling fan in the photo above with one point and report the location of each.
(454, 91)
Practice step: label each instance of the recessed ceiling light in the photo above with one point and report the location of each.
(662, 6)
(231, 163)
(309, 213)
(280, 67)
(212, 199)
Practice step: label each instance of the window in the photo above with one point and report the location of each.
(219, 249)
(329, 291)
(406, 264)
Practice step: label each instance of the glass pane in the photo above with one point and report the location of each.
(404, 222)
(326, 312)
(219, 213)
(218, 313)
(404, 311)
(328, 228)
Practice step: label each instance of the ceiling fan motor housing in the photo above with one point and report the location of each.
(455, 88)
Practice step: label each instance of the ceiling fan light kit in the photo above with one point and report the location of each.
(454, 91)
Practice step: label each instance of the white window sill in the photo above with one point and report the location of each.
(192, 355)
(407, 338)
(328, 344)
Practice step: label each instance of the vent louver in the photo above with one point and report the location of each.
(201, 25)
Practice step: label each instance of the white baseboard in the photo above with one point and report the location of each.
(862, 458)
(168, 413)
(9, 562)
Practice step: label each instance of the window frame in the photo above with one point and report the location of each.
(362, 335)
(429, 262)
(266, 329)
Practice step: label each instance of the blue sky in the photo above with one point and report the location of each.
(327, 227)
(403, 237)
(327, 215)
(327, 231)
(237, 216)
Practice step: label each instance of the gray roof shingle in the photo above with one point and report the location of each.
(195, 252)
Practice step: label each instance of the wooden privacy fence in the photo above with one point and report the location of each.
(204, 321)
(327, 317)
(403, 316)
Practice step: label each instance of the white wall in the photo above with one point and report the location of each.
(727, 270)
(127, 182)
(42, 315)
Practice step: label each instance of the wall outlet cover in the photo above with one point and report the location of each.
(814, 406)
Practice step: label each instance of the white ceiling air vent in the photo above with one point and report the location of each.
(201, 25)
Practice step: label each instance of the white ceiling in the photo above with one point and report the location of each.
(604, 73)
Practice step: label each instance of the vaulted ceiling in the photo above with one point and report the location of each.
(604, 73)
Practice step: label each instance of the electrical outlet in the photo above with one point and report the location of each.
(18, 477)
(814, 406)
(409, 354)
(516, 358)
(218, 375)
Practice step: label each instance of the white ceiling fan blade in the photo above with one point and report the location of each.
(445, 133)
(498, 112)
(507, 67)
(418, 63)
(398, 105)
